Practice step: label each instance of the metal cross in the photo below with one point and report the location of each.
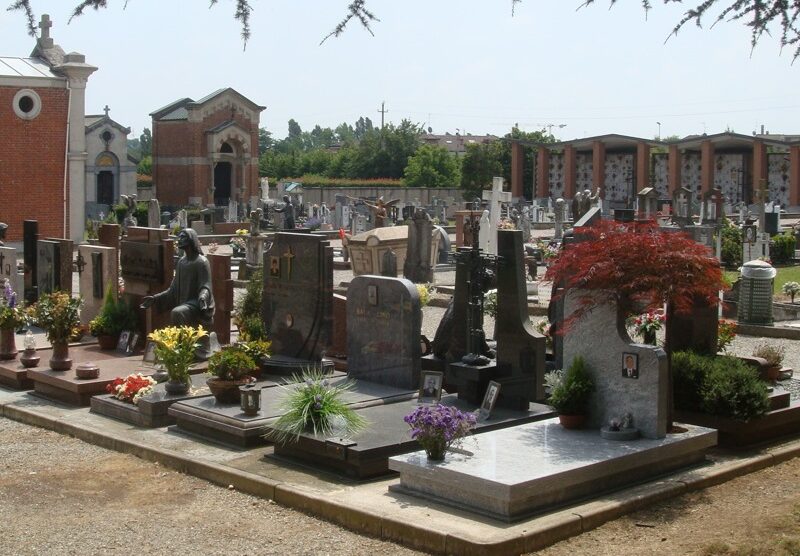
(79, 263)
(288, 255)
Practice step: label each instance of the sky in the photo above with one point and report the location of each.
(462, 66)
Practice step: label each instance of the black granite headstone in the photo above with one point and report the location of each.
(30, 235)
(298, 295)
(48, 261)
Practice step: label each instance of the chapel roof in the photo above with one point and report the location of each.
(13, 66)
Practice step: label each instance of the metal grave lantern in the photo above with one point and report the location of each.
(755, 293)
(250, 399)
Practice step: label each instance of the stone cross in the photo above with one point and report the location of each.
(45, 25)
(106, 110)
(496, 198)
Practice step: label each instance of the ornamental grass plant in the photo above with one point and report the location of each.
(314, 405)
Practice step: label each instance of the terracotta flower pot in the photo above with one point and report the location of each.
(8, 345)
(227, 391)
(107, 341)
(571, 421)
(60, 360)
(773, 372)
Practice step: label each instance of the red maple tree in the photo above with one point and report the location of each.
(641, 264)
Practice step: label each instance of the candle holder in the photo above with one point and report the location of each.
(250, 399)
(29, 357)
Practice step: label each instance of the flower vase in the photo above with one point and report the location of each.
(436, 451)
(176, 387)
(60, 360)
(650, 337)
(8, 346)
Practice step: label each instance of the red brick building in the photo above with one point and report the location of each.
(205, 152)
(43, 155)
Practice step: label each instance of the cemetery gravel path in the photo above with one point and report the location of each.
(59, 495)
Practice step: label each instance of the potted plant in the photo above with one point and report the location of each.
(58, 313)
(314, 405)
(11, 318)
(175, 349)
(259, 350)
(773, 355)
(114, 317)
(230, 369)
(791, 289)
(438, 428)
(131, 388)
(570, 395)
(237, 243)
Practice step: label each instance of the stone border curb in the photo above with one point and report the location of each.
(541, 532)
(777, 331)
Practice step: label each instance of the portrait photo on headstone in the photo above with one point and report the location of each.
(630, 365)
(149, 356)
(489, 400)
(274, 266)
(122, 344)
(430, 389)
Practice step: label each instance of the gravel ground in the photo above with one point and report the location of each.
(63, 496)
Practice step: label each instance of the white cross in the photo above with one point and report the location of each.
(496, 198)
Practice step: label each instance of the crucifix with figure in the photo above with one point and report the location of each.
(496, 198)
(288, 255)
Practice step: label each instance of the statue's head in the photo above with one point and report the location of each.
(188, 240)
(286, 199)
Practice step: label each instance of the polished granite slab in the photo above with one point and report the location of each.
(65, 387)
(366, 454)
(512, 473)
(152, 410)
(207, 418)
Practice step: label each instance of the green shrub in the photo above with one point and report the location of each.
(718, 385)
(231, 364)
(731, 244)
(734, 389)
(782, 249)
(688, 374)
(571, 395)
(248, 309)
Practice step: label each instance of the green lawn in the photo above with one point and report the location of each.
(785, 274)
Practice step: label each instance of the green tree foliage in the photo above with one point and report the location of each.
(145, 166)
(146, 142)
(432, 166)
(731, 244)
(782, 250)
(479, 165)
(265, 140)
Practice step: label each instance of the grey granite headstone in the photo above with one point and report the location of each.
(102, 269)
(298, 295)
(600, 337)
(389, 264)
(417, 267)
(30, 235)
(384, 320)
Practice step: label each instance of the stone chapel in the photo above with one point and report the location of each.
(42, 133)
(205, 152)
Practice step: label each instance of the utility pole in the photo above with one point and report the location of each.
(383, 112)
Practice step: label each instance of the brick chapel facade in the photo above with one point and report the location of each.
(43, 158)
(205, 152)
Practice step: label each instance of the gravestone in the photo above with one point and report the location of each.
(108, 235)
(684, 208)
(298, 298)
(101, 269)
(444, 245)
(183, 218)
(200, 227)
(384, 320)
(366, 250)
(600, 337)
(559, 219)
(153, 214)
(520, 349)
(147, 265)
(8, 270)
(48, 264)
(65, 265)
(417, 266)
(648, 202)
(389, 267)
(30, 235)
(496, 198)
(222, 286)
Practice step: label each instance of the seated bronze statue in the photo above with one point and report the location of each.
(189, 298)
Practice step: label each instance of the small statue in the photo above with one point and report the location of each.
(189, 297)
(288, 213)
(379, 210)
(3, 228)
(256, 217)
(130, 206)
